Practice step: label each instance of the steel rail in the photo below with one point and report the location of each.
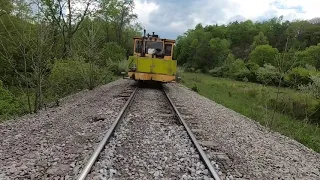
(203, 155)
(106, 138)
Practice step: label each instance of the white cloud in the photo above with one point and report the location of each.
(143, 10)
(175, 17)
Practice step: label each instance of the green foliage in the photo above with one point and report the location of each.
(8, 103)
(241, 35)
(117, 67)
(112, 54)
(194, 88)
(221, 49)
(194, 43)
(275, 42)
(271, 45)
(310, 56)
(217, 72)
(201, 50)
(123, 66)
(298, 76)
(180, 71)
(268, 75)
(190, 69)
(230, 59)
(5, 7)
(253, 68)
(31, 44)
(69, 76)
(313, 88)
(263, 54)
(258, 40)
(238, 70)
(243, 74)
(198, 71)
(203, 56)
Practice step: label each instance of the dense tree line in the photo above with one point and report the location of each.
(266, 52)
(50, 48)
(274, 52)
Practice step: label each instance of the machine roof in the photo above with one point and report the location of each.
(166, 40)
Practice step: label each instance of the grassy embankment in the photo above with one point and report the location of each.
(280, 113)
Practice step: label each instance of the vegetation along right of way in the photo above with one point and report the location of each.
(50, 49)
(274, 53)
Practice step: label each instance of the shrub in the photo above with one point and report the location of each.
(298, 76)
(230, 59)
(236, 66)
(117, 67)
(313, 89)
(252, 67)
(315, 115)
(190, 69)
(268, 74)
(68, 76)
(194, 88)
(198, 71)
(122, 66)
(310, 56)
(242, 74)
(112, 53)
(238, 70)
(217, 72)
(179, 74)
(263, 54)
(113, 67)
(8, 104)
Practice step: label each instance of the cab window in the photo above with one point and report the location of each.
(156, 45)
(138, 46)
(168, 49)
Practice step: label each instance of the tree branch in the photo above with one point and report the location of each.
(82, 17)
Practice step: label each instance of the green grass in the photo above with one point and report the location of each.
(253, 100)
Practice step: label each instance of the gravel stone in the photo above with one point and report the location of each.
(49, 144)
(150, 143)
(185, 177)
(240, 145)
(156, 174)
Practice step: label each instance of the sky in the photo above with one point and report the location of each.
(170, 18)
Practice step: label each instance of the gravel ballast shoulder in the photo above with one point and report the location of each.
(242, 148)
(55, 143)
(150, 144)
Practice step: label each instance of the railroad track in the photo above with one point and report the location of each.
(149, 140)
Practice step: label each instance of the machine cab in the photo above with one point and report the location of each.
(155, 47)
(152, 59)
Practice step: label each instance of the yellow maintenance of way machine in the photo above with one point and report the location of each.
(152, 59)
